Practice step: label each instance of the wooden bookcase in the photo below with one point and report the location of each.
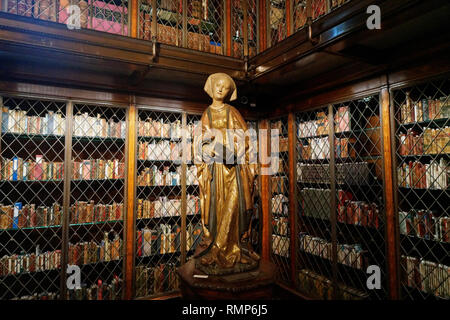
(421, 131)
(340, 199)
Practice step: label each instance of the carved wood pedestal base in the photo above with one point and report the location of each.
(253, 285)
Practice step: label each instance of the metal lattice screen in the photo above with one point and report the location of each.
(256, 221)
(359, 195)
(194, 230)
(239, 8)
(205, 26)
(280, 201)
(300, 14)
(422, 148)
(252, 22)
(314, 204)
(97, 207)
(31, 198)
(168, 21)
(277, 21)
(237, 31)
(158, 216)
(107, 16)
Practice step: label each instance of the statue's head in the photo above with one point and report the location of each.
(221, 87)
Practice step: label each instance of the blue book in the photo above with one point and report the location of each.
(5, 118)
(17, 209)
(15, 169)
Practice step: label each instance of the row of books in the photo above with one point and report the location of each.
(30, 262)
(162, 150)
(431, 141)
(155, 176)
(166, 238)
(19, 216)
(165, 207)
(428, 276)
(280, 226)
(98, 291)
(39, 296)
(359, 213)
(89, 212)
(79, 254)
(279, 184)
(319, 287)
(94, 169)
(319, 126)
(357, 173)
(433, 175)
(85, 125)
(158, 128)
(316, 204)
(319, 148)
(351, 255)
(155, 280)
(424, 224)
(90, 252)
(17, 121)
(17, 169)
(280, 245)
(280, 204)
(424, 109)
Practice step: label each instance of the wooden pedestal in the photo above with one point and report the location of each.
(257, 284)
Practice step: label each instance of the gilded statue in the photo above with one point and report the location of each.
(226, 187)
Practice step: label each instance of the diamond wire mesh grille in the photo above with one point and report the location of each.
(280, 204)
(319, 8)
(256, 222)
(168, 19)
(97, 200)
(252, 19)
(314, 197)
(277, 21)
(422, 149)
(194, 230)
(158, 218)
(31, 198)
(359, 196)
(205, 25)
(106, 16)
(237, 31)
(300, 14)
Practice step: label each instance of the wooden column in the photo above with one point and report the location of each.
(391, 219)
(262, 30)
(66, 198)
(333, 206)
(183, 189)
(264, 149)
(154, 21)
(228, 21)
(134, 18)
(184, 23)
(289, 11)
(130, 188)
(292, 139)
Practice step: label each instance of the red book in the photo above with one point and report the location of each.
(38, 173)
(139, 244)
(99, 290)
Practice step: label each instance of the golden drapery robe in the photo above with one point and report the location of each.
(226, 191)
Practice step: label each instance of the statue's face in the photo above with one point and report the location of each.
(221, 89)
